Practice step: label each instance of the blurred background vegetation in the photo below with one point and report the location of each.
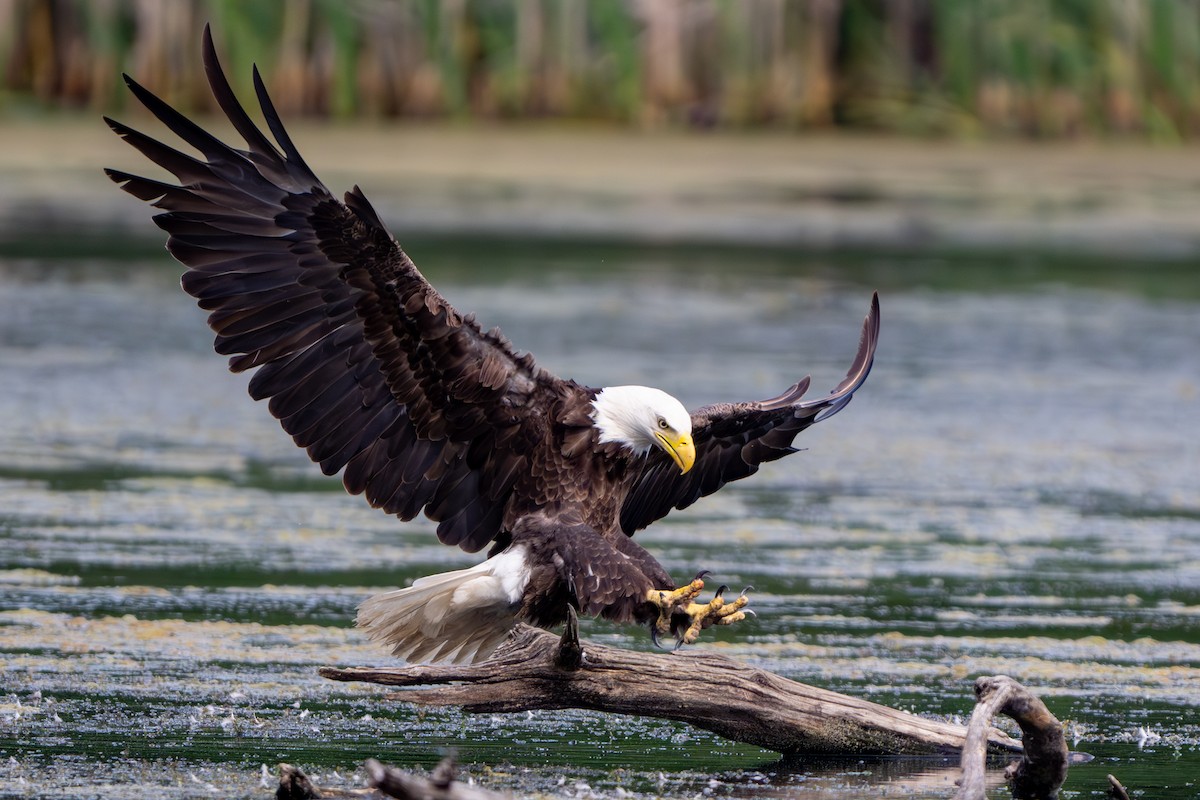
(962, 68)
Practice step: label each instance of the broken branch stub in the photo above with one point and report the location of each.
(535, 670)
(1116, 789)
(1042, 768)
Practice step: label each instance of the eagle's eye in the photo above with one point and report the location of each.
(662, 423)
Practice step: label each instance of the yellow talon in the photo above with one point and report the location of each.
(714, 612)
(668, 601)
(680, 615)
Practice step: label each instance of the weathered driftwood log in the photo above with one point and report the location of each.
(440, 785)
(537, 670)
(1042, 768)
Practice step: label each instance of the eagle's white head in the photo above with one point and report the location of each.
(640, 418)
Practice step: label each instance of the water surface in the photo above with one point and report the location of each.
(1014, 491)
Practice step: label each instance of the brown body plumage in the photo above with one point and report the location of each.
(370, 370)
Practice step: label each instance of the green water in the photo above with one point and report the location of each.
(1015, 491)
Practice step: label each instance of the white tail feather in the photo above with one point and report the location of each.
(458, 617)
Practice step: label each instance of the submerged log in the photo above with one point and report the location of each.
(295, 785)
(1042, 768)
(534, 670)
(440, 785)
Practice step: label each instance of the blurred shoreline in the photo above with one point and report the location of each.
(755, 190)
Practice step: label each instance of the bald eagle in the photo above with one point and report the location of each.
(378, 377)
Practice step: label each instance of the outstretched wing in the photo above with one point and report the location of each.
(733, 439)
(364, 363)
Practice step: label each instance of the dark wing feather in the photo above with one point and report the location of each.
(733, 439)
(362, 361)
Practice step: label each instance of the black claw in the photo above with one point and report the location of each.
(702, 574)
(569, 655)
(654, 638)
(722, 589)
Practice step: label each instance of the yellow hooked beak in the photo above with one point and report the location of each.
(679, 447)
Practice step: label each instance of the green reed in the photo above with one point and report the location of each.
(1037, 68)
